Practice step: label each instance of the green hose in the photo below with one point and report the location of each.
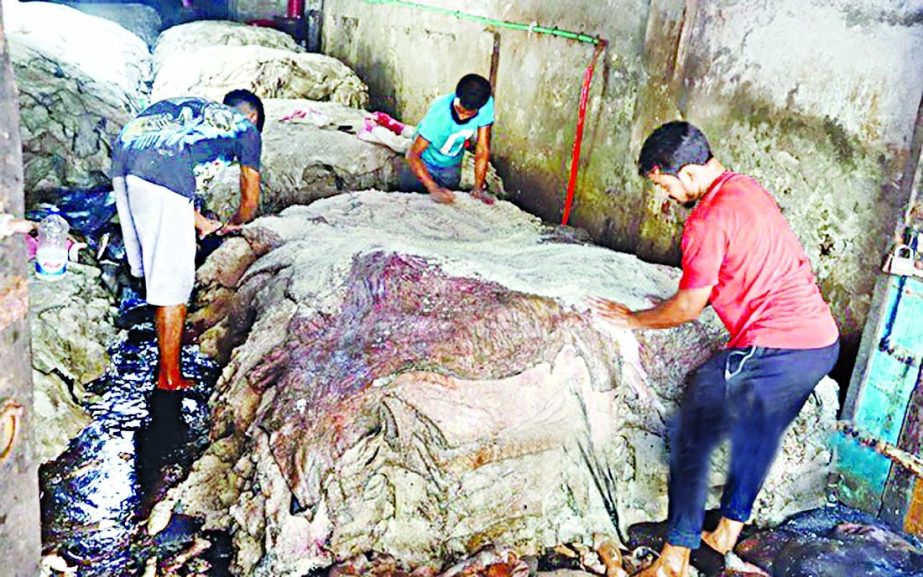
(493, 22)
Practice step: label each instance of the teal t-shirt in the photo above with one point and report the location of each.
(446, 135)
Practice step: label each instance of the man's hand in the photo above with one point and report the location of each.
(442, 195)
(683, 307)
(210, 226)
(22, 226)
(206, 226)
(616, 314)
(229, 229)
(483, 196)
(10, 225)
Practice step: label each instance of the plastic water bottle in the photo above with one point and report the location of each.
(51, 254)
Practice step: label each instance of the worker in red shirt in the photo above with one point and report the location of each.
(741, 256)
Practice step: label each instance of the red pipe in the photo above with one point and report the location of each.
(578, 137)
(295, 9)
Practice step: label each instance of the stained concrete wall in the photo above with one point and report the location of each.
(818, 101)
(409, 57)
(245, 10)
(816, 98)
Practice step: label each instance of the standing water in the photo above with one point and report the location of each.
(96, 495)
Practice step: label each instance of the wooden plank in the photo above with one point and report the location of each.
(913, 523)
(882, 404)
(20, 546)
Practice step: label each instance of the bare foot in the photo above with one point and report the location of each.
(673, 562)
(174, 384)
(610, 555)
(210, 226)
(724, 538)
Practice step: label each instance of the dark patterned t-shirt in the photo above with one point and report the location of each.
(167, 142)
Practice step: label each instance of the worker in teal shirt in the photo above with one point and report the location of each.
(435, 157)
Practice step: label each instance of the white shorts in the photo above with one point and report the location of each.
(158, 226)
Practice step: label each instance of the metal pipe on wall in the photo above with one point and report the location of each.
(295, 9)
(578, 136)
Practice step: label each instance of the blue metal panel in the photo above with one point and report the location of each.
(883, 401)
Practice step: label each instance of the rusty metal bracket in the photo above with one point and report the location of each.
(899, 457)
(10, 413)
(495, 61)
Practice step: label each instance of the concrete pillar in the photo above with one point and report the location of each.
(20, 545)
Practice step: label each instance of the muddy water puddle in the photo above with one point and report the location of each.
(96, 495)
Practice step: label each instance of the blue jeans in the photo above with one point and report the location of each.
(752, 394)
(447, 177)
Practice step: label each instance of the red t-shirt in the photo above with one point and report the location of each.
(737, 242)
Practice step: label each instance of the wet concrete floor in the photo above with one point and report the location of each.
(96, 495)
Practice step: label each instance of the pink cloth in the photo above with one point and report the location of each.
(32, 246)
(382, 119)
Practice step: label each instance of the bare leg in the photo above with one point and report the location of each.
(170, 321)
(673, 562)
(724, 538)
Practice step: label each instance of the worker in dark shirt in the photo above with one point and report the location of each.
(155, 160)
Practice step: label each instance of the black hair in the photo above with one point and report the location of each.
(235, 98)
(671, 147)
(473, 91)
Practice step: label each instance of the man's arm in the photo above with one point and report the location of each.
(415, 160)
(10, 225)
(249, 199)
(482, 157)
(683, 307)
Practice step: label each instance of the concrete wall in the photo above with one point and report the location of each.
(816, 98)
(245, 10)
(818, 101)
